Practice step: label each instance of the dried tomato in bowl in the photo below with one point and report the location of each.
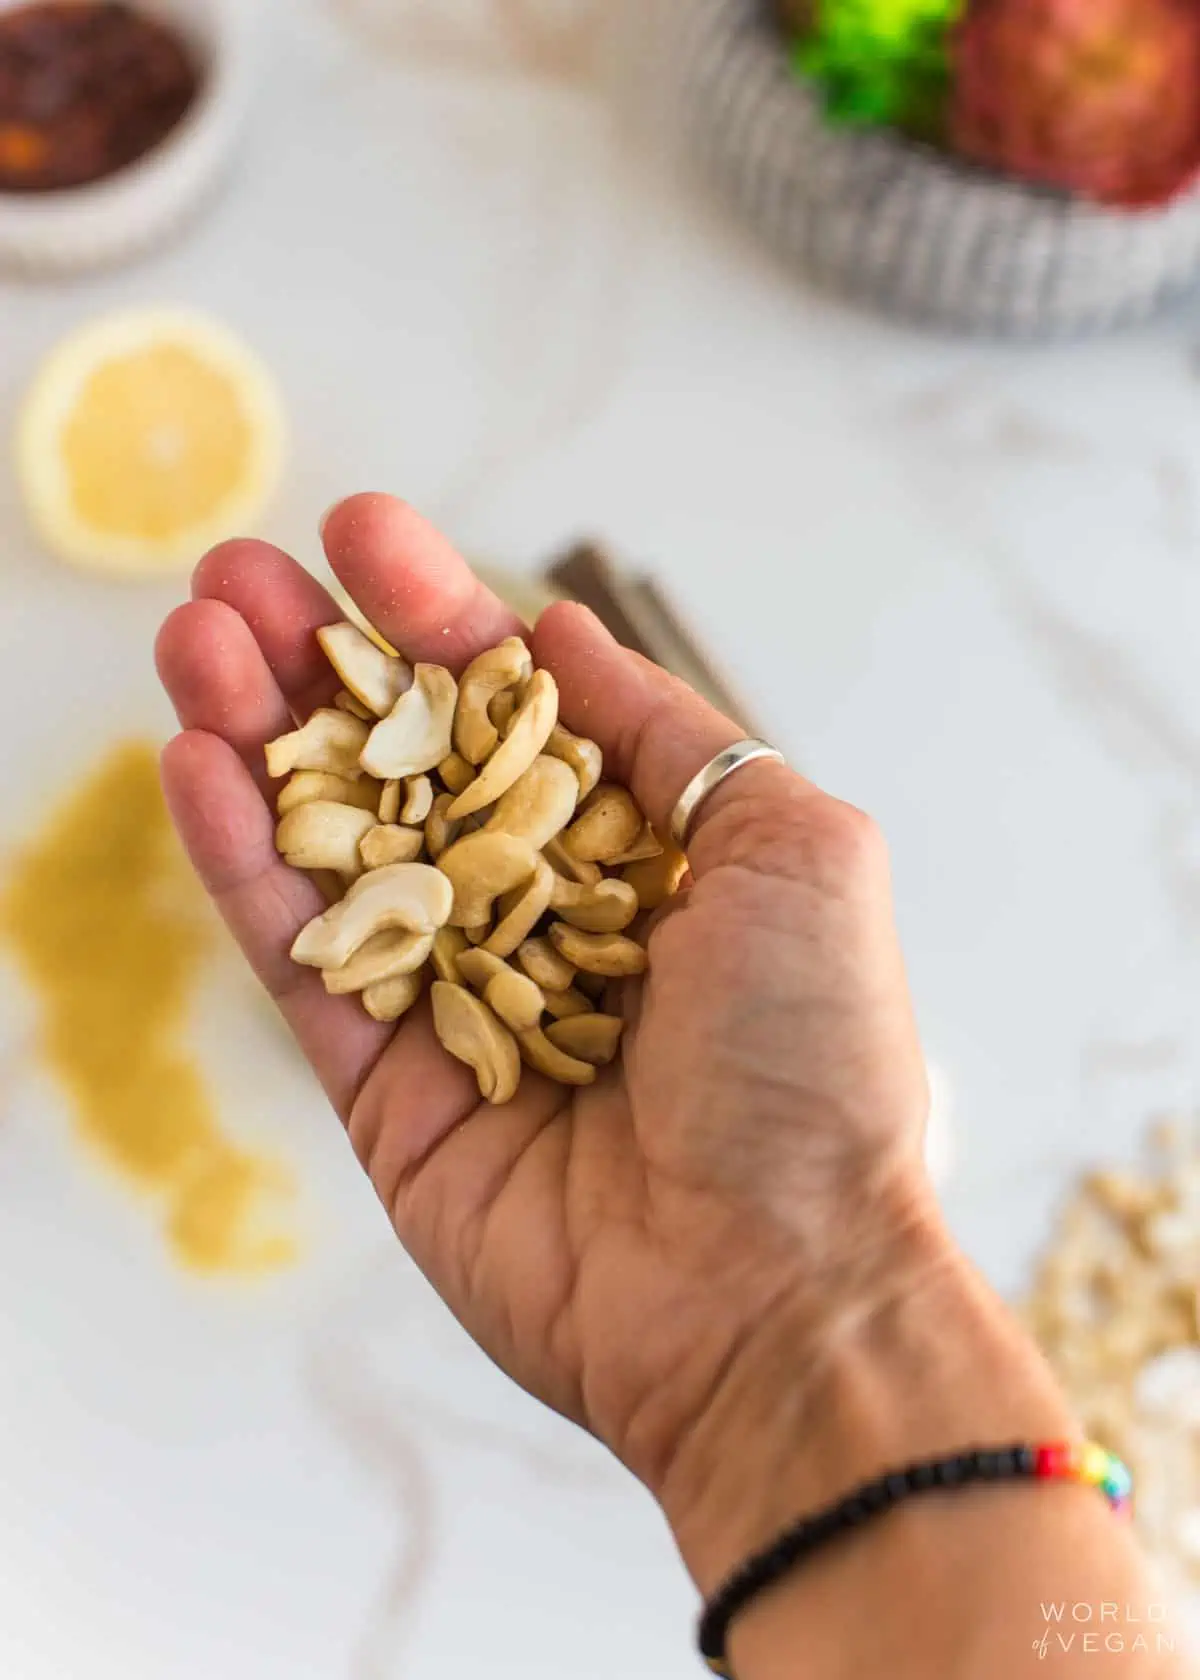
(87, 87)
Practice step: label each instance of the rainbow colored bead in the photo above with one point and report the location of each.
(1091, 1465)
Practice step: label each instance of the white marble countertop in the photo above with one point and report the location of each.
(960, 584)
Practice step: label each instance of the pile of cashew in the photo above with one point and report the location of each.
(460, 832)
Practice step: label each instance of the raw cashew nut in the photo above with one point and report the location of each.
(657, 879)
(456, 773)
(572, 869)
(413, 896)
(374, 678)
(514, 997)
(480, 867)
(539, 804)
(589, 1038)
(544, 966)
(345, 702)
(556, 1064)
(307, 785)
(607, 907)
(470, 1031)
(562, 1005)
(502, 667)
(477, 932)
(501, 709)
(330, 741)
(418, 800)
(449, 943)
(584, 756)
(608, 954)
(388, 843)
(440, 832)
(531, 725)
(415, 735)
(322, 835)
(607, 825)
(383, 957)
(647, 845)
(388, 1000)
(517, 923)
(389, 802)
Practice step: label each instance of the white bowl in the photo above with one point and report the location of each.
(58, 233)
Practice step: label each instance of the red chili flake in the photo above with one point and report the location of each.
(86, 88)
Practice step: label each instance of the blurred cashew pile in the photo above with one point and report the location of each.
(1116, 1306)
(457, 828)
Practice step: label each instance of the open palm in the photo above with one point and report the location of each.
(759, 1137)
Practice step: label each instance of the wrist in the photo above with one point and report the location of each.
(912, 1358)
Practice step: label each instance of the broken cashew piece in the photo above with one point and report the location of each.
(389, 843)
(501, 709)
(539, 804)
(456, 773)
(449, 943)
(345, 702)
(532, 722)
(480, 867)
(389, 802)
(324, 835)
(413, 896)
(647, 845)
(608, 824)
(519, 921)
(607, 907)
(307, 785)
(470, 1031)
(544, 966)
(331, 741)
(440, 832)
(583, 756)
(607, 954)
(589, 1038)
(572, 869)
(383, 957)
(657, 879)
(418, 800)
(556, 1064)
(562, 1005)
(488, 675)
(513, 997)
(415, 735)
(374, 678)
(388, 1000)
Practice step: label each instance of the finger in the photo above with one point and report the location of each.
(218, 681)
(411, 583)
(228, 833)
(656, 734)
(284, 607)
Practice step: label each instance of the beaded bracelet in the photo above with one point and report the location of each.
(1064, 1461)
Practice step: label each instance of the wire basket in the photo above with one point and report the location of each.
(900, 227)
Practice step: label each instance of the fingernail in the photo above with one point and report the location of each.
(327, 516)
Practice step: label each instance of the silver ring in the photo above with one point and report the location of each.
(712, 775)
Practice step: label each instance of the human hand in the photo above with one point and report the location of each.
(660, 1255)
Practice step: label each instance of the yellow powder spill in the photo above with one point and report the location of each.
(107, 924)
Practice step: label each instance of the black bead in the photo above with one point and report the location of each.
(854, 1511)
(921, 1477)
(951, 1472)
(897, 1486)
(993, 1463)
(1025, 1460)
(876, 1496)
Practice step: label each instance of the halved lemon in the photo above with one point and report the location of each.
(146, 437)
